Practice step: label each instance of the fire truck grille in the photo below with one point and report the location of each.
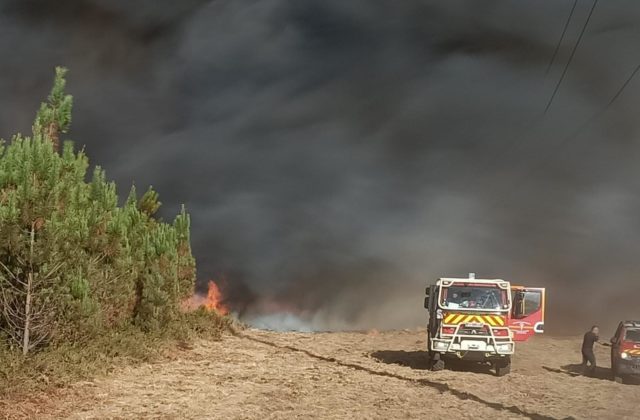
(464, 330)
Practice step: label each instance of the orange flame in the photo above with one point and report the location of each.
(212, 302)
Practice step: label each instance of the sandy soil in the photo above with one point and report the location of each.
(261, 374)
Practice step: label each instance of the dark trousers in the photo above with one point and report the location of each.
(588, 356)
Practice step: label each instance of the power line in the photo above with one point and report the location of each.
(602, 110)
(534, 123)
(623, 87)
(564, 31)
(575, 133)
(573, 52)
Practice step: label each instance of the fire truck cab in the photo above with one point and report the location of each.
(479, 320)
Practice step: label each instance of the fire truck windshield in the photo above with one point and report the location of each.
(632, 335)
(473, 297)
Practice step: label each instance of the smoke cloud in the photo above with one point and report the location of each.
(336, 156)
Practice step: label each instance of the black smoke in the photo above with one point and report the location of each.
(337, 155)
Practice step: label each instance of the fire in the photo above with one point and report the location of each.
(214, 301)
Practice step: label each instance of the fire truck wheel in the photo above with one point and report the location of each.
(437, 365)
(503, 366)
(616, 375)
(435, 362)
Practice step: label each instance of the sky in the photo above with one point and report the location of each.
(337, 156)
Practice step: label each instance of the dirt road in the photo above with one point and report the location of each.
(262, 374)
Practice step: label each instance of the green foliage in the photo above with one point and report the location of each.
(54, 116)
(72, 262)
(149, 203)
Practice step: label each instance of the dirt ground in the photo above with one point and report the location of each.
(260, 374)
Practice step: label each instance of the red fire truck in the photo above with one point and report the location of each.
(480, 319)
(625, 351)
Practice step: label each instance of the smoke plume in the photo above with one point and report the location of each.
(338, 155)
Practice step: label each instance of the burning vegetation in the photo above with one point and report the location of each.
(213, 301)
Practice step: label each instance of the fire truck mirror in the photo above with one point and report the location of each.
(426, 302)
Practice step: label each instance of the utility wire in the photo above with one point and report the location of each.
(534, 124)
(564, 31)
(573, 52)
(623, 87)
(602, 110)
(575, 133)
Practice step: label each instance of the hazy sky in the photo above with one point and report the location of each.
(337, 155)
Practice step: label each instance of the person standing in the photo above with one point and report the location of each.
(590, 338)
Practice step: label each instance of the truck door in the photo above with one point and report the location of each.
(431, 304)
(527, 313)
(615, 346)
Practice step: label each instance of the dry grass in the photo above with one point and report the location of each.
(257, 374)
(61, 365)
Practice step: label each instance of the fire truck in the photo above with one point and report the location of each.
(480, 320)
(625, 351)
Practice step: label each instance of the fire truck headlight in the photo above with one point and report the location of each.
(441, 345)
(504, 347)
(624, 355)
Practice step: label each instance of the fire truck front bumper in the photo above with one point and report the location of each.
(480, 346)
(629, 367)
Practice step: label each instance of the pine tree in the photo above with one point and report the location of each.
(72, 262)
(54, 116)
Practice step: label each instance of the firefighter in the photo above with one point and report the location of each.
(590, 338)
